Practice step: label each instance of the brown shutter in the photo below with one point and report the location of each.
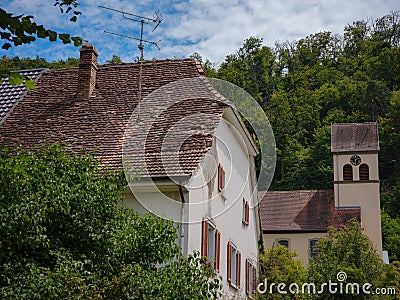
(217, 249)
(229, 261)
(364, 172)
(347, 172)
(254, 279)
(247, 276)
(247, 213)
(204, 239)
(220, 178)
(238, 255)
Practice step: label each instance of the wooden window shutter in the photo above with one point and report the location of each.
(347, 172)
(217, 249)
(364, 172)
(204, 239)
(254, 279)
(247, 276)
(229, 261)
(247, 212)
(238, 255)
(221, 178)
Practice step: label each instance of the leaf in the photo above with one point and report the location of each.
(41, 32)
(73, 19)
(6, 46)
(29, 84)
(16, 78)
(52, 35)
(65, 38)
(77, 41)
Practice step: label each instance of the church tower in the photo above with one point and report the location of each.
(355, 148)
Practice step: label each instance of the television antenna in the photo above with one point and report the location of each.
(156, 20)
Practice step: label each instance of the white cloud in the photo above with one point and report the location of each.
(214, 28)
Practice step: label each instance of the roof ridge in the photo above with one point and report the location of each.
(148, 62)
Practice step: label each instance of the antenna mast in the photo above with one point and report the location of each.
(157, 18)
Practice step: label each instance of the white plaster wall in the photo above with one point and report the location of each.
(225, 209)
(371, 159)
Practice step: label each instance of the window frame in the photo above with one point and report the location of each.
(245, 212)
(347, 173)
(363, 172)
(233, 265)
(206, 251)
(277, 242)
(221, 178)
(313, 249)
(251, 277)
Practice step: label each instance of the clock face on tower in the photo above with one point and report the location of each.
(355, 160)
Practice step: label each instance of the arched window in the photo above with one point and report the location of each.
(364, 172)
(347, 172)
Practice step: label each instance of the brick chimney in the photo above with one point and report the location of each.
(87, 71)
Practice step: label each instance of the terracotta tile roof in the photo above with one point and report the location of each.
(305, 210)
(52, 113)
(11, 94)
(354, 137)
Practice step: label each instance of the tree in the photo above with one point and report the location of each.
(279, 265)
(115, 60)
(66, 234)
(26, 63)
(348, 256)
(19, 30)
(391, 235)
(207, 65)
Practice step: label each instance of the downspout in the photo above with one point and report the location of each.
(182, 234)
(337, 178)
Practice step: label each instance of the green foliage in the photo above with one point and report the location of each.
(19, 30)
(306, 85)
(65, 234)
(391, 235)
(7, 65)
(350, 251)
(280, 265)
(207, 65)
(115, 60)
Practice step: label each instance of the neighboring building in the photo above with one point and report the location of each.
(297, 219)
(11, 94)
(206, 169)
(355, 150)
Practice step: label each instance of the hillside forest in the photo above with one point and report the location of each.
(306, 85)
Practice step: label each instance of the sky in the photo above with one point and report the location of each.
(212, 28)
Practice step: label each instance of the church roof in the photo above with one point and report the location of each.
(302, 211)
(350, 137)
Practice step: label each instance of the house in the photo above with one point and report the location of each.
(297, 219)
(191, 158)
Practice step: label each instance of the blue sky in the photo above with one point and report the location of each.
(213, 28)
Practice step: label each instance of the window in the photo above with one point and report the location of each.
(221, 178)
(210, 245)
(233, 262)
(313, 248)
(283, 242)
(245, 212)
(347, 172)
(251, 277)
(364, 172)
